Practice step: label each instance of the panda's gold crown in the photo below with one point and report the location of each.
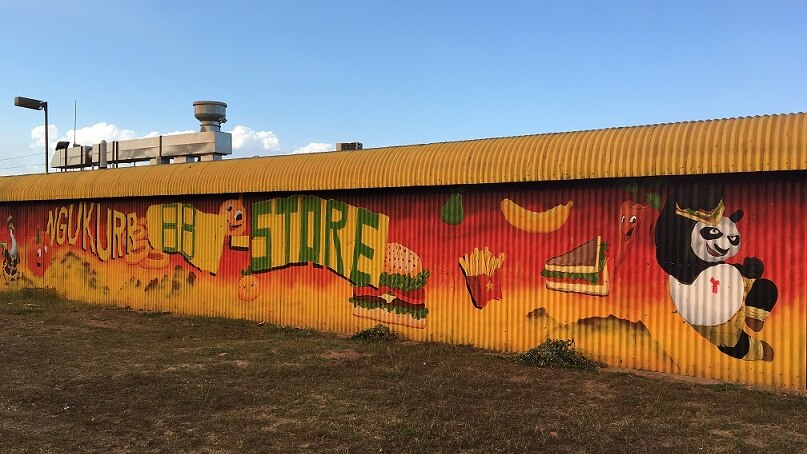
(707, 217)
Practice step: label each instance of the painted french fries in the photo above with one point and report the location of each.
(479, 268)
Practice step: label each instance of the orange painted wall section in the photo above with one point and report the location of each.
(699, 276)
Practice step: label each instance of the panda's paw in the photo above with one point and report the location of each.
(767, 351)
(762, 296)
(753, 268)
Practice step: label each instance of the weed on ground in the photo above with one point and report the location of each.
(557, 353)
(378, 333)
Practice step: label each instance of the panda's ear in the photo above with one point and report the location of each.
(736, 216)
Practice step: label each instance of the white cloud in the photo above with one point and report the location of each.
(98, 132)
(315, 147)
(248, 140)
(38, 136)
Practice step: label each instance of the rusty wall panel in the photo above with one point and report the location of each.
(190, 254)
(764, 143)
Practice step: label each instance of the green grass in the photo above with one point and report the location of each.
(78, 378)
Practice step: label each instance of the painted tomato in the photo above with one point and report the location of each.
(248, 288)
(37, 255)
(631, 215)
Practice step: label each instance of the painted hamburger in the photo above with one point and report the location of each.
(400, 298)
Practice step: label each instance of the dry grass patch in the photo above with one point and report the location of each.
(80, 378)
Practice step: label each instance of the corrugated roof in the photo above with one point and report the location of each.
(760, 143)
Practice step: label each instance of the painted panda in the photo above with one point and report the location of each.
(693, 241)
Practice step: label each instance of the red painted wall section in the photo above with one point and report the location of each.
(702, 277)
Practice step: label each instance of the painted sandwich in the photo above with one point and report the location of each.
(584, 269)
(400, 298)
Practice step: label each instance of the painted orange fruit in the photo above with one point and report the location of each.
(248, 288)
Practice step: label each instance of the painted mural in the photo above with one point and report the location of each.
(676, 276)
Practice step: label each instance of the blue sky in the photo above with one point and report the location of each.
(298, 73)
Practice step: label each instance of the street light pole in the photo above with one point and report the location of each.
(36, 104)
(45, 106)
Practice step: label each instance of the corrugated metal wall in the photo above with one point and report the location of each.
(499, 266)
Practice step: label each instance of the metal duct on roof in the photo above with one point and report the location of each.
(210, 144)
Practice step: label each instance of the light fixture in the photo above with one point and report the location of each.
(36, 104)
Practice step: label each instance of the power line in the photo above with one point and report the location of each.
(30, 166)
(19, 157)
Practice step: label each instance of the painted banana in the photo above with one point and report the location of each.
(535, 221)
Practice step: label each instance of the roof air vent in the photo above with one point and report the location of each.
(211, 113)
(346, 146)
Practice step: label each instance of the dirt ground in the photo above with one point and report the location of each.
(81, 378)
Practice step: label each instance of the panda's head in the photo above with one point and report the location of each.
(719, 242)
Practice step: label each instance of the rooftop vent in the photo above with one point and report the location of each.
(211, 113)
(346, 146)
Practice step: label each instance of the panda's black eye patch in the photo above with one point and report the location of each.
(734, 240)
(710, 233)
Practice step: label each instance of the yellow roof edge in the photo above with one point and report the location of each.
(574, 131)
(775, 142)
